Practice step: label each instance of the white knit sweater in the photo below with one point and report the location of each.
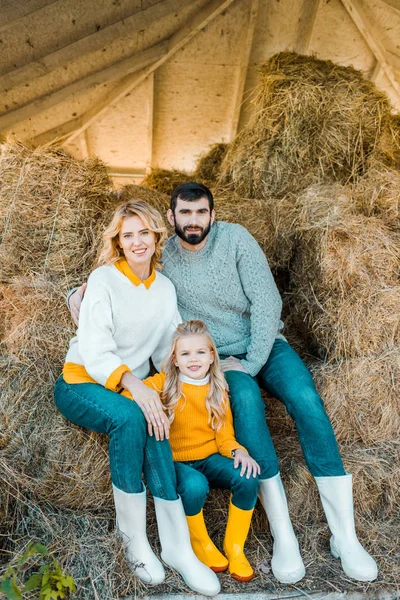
(123, 324)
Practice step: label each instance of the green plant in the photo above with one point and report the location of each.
(50, 580)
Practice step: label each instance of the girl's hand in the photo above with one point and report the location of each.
(248, 464)
(149, 403)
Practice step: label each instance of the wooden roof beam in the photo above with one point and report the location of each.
(185, 33)
(371, 36)
(307, 20)
(61, 57)
(393, 3)
(131, 64)
(243, 68)
(18, 10)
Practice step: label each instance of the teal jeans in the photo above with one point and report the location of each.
(285, 377)
(196, 477)
(131, 450)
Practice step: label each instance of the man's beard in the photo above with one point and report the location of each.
(192, 238)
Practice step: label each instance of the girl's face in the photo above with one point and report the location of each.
(193, 356)
(138, 243)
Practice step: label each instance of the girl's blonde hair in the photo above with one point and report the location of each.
(111, 251)
(216, 401)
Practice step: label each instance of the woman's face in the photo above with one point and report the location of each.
(138, 244)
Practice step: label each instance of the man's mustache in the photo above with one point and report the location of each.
(193, 227)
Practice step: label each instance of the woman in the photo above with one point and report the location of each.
(128, 316)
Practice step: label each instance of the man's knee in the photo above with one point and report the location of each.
(304, 402)
(244, 391)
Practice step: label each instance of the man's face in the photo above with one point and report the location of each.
(192, 220)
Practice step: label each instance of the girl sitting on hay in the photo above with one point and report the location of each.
(103, 370)
(193, 391)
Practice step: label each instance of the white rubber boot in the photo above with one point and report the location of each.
(177, 551)
(131, 522)
(337, 499)
(287, 564)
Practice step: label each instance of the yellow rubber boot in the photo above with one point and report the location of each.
(203, 546)
(236, 533)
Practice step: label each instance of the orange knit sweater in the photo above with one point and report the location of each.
(191, 435)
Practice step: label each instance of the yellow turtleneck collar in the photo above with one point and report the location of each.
(124, 268)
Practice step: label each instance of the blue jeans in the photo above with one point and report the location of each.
(197, 476)
(285, 377)
(131, 450)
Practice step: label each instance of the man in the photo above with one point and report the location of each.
(222, 277)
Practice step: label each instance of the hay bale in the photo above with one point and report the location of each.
(378, 194)
(43, 454)
(345, 292)
(165, 181)
(159, 201)
(313, 120)
(269, 221)
(388, 147)
(209, 165)
(37, 324)
(49, 205)
(362, 397)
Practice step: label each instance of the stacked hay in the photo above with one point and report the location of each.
(318, 166)
(313, 120)
(209, 165)
(44, 192)
(165, 181)
(54, 477)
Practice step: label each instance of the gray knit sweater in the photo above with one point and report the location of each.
(228, 285)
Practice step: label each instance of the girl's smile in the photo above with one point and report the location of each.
(193, 356)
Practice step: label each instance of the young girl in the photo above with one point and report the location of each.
(206, 453)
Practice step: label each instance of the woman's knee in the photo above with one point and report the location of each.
(128, 416)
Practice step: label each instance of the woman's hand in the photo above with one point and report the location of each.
(248, 464)
(162, 432)
(150, 404)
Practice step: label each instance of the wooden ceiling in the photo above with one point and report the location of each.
(153, 83)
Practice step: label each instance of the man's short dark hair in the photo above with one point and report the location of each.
(191, 191)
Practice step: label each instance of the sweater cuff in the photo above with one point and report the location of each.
(251, 368)
(113, 383)
(226, 449)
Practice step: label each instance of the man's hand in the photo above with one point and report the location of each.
(248, 464)
(232, 364)
(75, 301)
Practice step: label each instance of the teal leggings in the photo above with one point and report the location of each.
(194, 479)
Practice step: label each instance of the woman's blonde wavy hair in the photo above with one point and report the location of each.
(216, 401)
(111, 251)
